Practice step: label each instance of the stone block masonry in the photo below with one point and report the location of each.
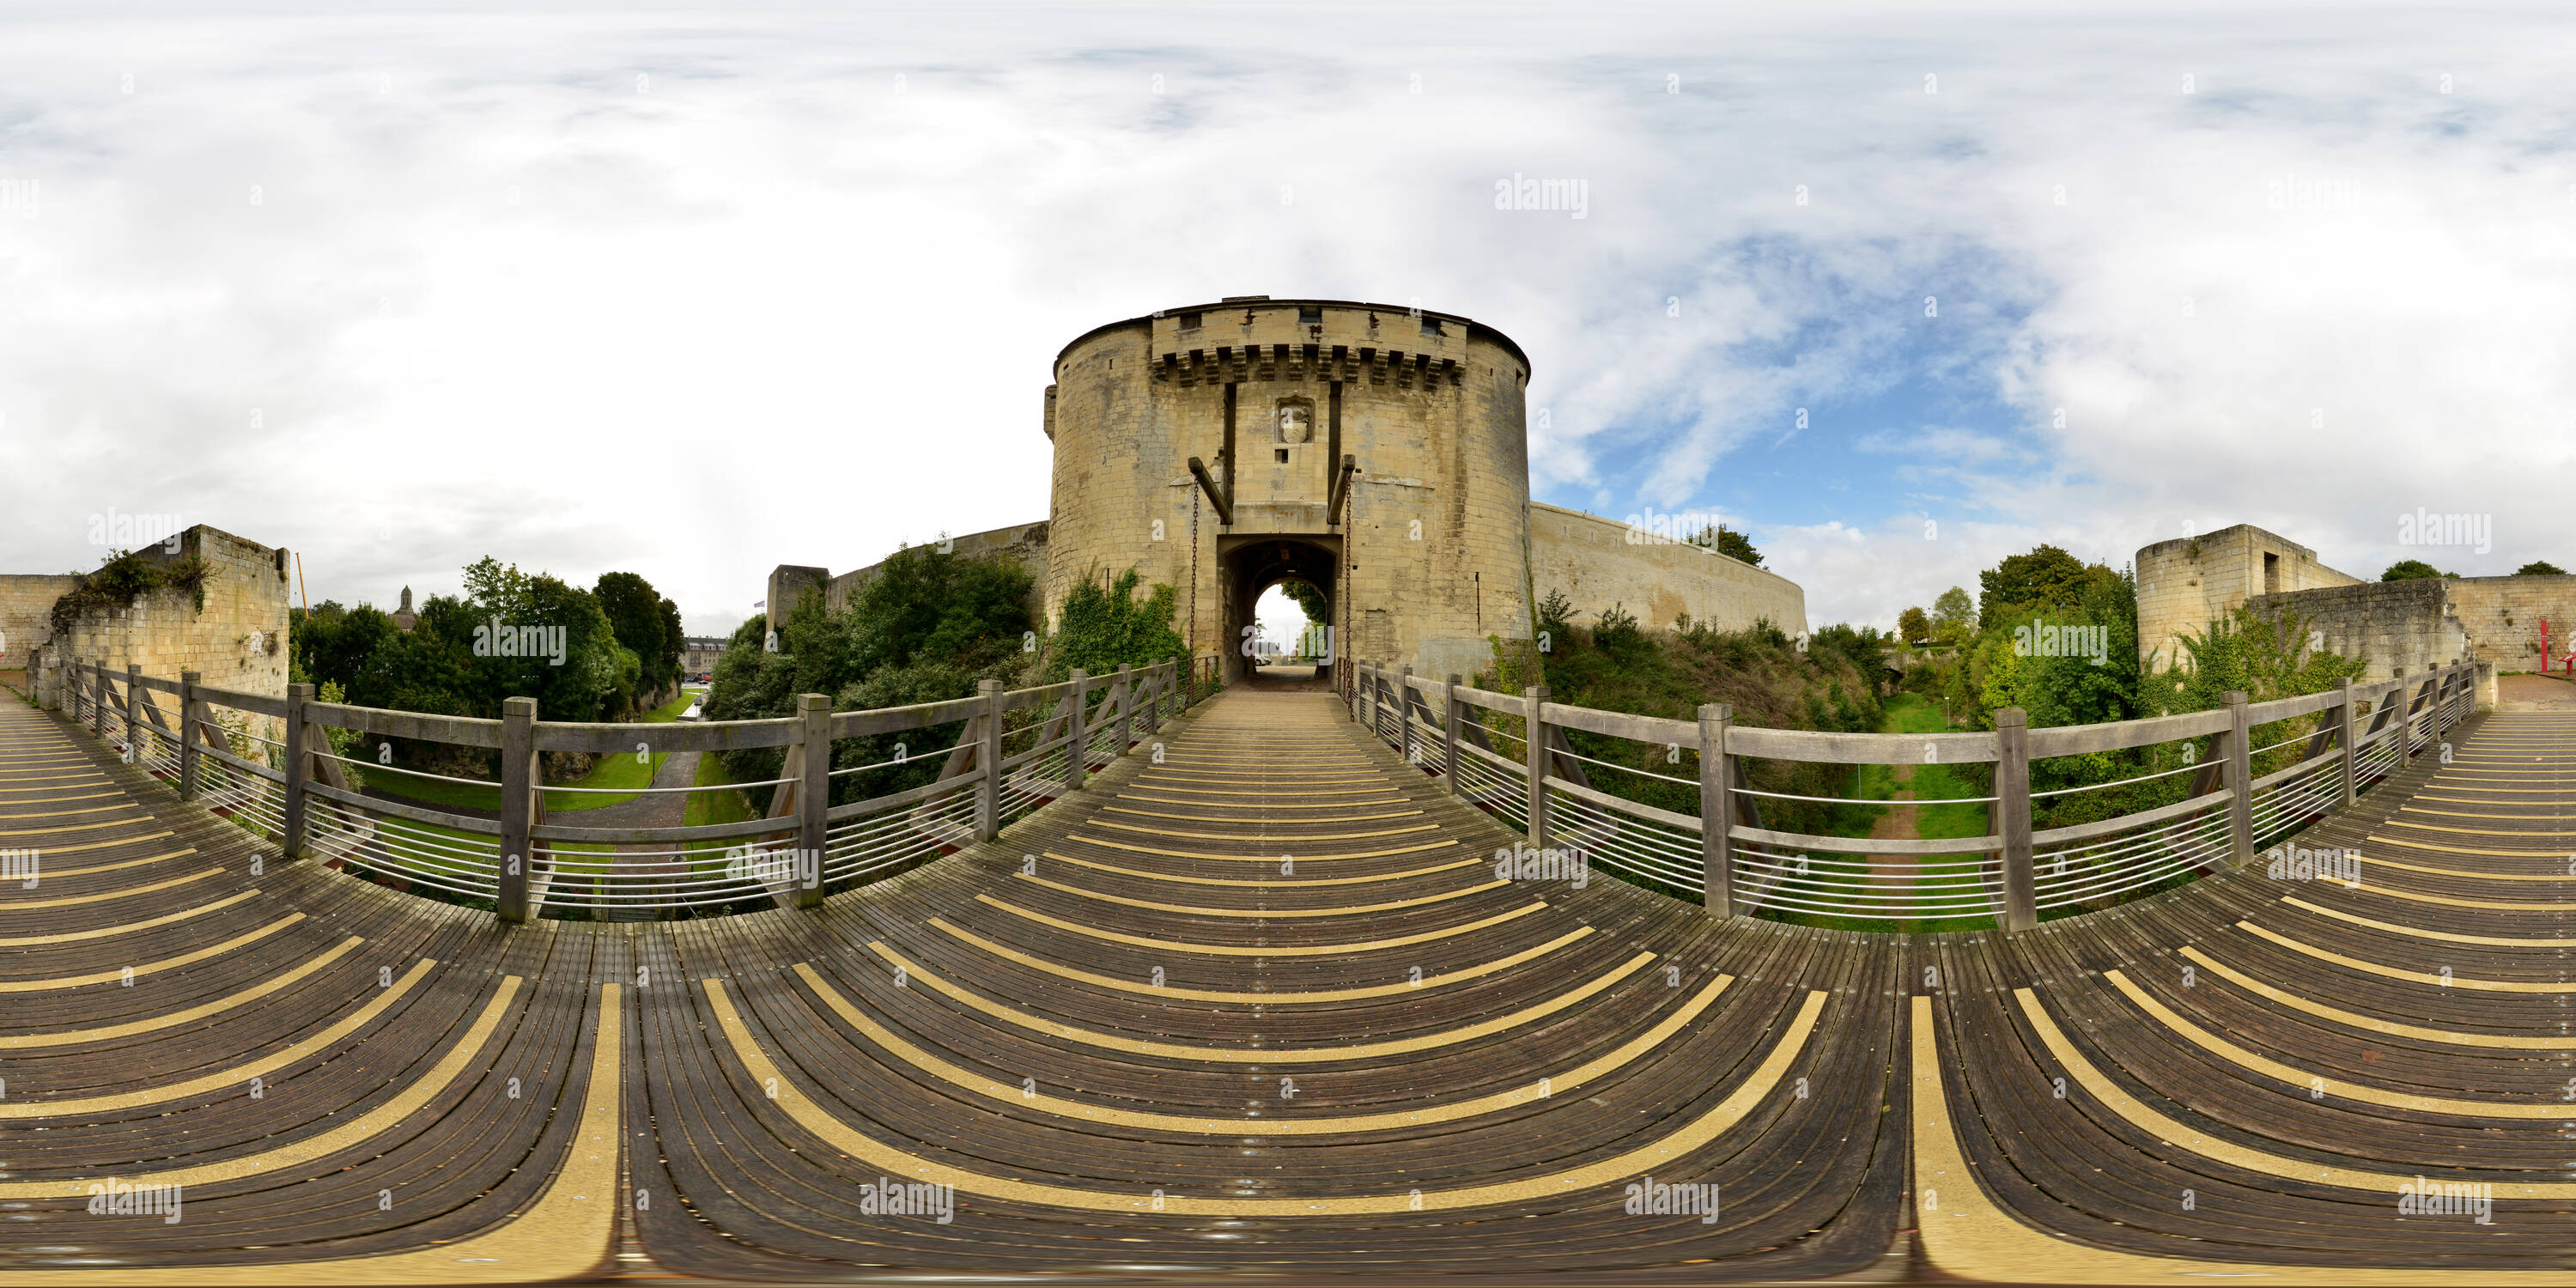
(235, 640)
(2189, 582)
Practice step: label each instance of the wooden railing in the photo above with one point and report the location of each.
(1509, 755)
(269, 764)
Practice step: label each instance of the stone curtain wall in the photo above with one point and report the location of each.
(2408, 627)
(1589, 559)
(2189, 582)
(246, 595)
(25, 604)
(2503, 616)
(2398, 627)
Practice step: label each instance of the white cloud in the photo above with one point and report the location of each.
(777, 309)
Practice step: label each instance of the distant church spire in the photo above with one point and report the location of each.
(404, 619)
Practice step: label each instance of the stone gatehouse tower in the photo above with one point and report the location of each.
(1429, 553)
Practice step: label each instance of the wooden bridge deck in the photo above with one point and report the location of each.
(1261, 1004)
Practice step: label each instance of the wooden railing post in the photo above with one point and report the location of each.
(299, 770)
(1126, 691)
(1153, 682)
(2351, 751)
(518, 797)
(988, 758)
(1716, 819)
(2240, 779)
(1404, 715)
(813, 797)
(1533, 724)
(134, 713)
(2012, 793)
(188, 735)
(1449, 734)
(1077, 760)
(97, 700)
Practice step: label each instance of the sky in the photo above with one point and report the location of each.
(1898, 289)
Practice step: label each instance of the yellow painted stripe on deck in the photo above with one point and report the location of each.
(2419, 932)
(1265, 913)
(1284, 950)
(324, 1041)
(1531, 1093)
(2456, 849)
(2372, 1023)
(25, 1041)
(166, 963)
(112, 894)
(1131, 796)
(869, 1151)
(1260, 858)
(1275, 997)
(2412, 976)
(111, 867)
(1265, 883)
(1237, 836)
(2334, 1089)
(78, 827)
(375, 1122)
(1261, 1055)
(104, 932)
(2176, 1134)
(1966, 1235)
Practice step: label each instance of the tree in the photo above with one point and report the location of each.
(1914, 626)
(1099, 629)
(1309, 600)
(1730, 543)
(1953, 616)
(2046, 578)
(635, 615)
(2412, 570)
(2540, 568)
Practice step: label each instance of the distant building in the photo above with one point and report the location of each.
(698, 654)
(404, 618)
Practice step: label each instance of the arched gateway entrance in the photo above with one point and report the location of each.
(1254, 564)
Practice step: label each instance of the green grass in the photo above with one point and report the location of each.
(620, 773)
(709, 808)
(1910, 713)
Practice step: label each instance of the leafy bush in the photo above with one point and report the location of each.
(122, 578)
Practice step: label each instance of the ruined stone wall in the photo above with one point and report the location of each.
(2189, 582)
(2398, 627)
(237, 640)
(1591, 559)
(1024, 542)
(2408, 627)
(25, 604)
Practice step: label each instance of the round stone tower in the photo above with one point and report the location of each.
(1420, 545)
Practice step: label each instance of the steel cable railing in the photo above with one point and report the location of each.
(2178, 816)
